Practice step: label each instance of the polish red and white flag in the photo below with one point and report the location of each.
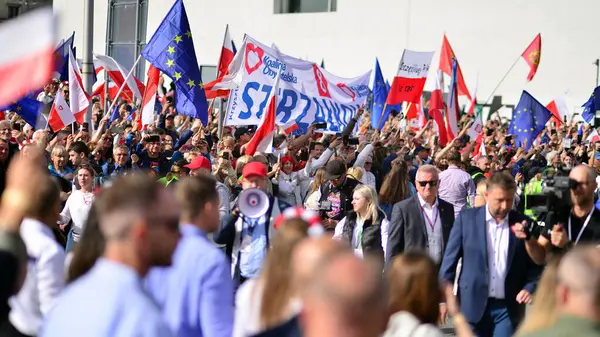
(262, 141)
(227, 54)
(134, 88)
(149, 99)
(436, 111)
(27, 59)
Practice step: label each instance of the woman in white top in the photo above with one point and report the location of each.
(78, 205)
(365, 228)
(289, 180)
(270, 299)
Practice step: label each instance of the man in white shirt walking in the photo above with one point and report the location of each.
(45, 271)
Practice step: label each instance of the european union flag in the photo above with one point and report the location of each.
(61, 57)
(380, 94)
(171, 50)
(591, 106)
(28, 108)
(528, 120)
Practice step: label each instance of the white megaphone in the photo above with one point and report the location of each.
(253, 203)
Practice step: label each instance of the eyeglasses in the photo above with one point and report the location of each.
(432, 183)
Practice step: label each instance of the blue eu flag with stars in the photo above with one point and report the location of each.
(528, 120)
(591, 106)
(28, 108)
(380, 93)
(171, 50)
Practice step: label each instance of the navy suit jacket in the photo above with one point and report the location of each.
(468, 239)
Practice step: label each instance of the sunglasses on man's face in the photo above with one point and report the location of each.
(432, 183)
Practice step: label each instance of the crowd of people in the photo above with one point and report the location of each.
(109, 229)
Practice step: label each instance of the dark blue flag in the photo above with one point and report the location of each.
(28, 108)
(591, 106)
(115, 114)
(171, 50)
(233, 47)
(131, 114)
(61, 55)
(528, 120)
(380, 93)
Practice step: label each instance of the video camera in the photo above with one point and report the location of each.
(553, 203)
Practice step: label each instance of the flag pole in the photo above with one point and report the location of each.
(381, 121)
(112, 105)
(502, 80)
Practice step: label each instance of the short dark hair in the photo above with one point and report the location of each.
(159, 131)
(454, 157)
(192, 193)
(47, 193)
(503, 180)
(80, 147)
(314, 144)
(136, 193)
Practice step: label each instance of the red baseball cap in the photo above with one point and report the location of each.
(254, 169)
(199, 162)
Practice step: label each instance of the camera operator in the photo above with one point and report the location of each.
(580, 225)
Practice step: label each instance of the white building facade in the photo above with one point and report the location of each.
(486, 35)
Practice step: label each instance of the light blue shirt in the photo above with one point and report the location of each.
(253, 253)
(196, 292)
(108, 301)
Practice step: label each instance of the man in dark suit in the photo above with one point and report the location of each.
(498, 277)
(422, 222)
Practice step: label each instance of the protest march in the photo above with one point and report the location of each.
(281, 199)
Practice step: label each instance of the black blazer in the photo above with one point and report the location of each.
(407, 229)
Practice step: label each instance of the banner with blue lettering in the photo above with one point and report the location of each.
(307, 92)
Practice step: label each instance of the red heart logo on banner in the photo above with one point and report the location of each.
(253, 57)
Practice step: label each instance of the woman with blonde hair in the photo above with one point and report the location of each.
(355, 173)
(365, 228)
(312, 201)
(543, 314)
(270, 299)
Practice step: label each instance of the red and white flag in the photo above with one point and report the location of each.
(436, 110)
(117, 73)
(416, 116)
(262, 141)
(558, 107)
(60, 114)
(227, 54)
(593, 137)
(452, 112)
(79, 100)
(289, 127)
(27, 59)
(149, 99)
(408, 84)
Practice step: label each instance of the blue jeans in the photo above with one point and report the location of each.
(70, 243)
(495, 321)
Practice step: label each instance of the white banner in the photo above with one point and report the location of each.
(307, 93)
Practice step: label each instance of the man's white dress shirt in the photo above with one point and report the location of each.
(45, 278)
(497, 252)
